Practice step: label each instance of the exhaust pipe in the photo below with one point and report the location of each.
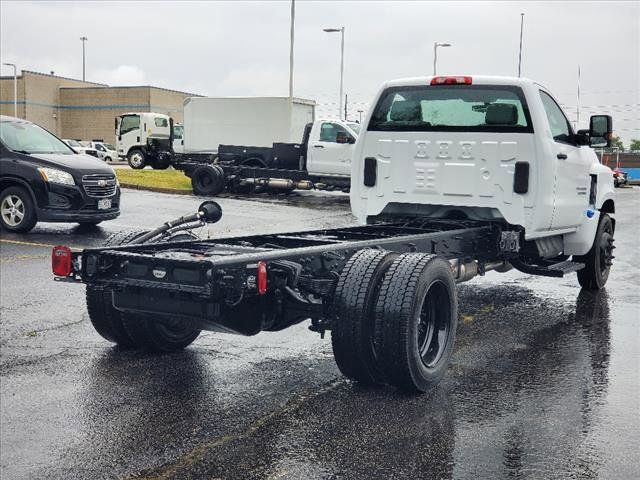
(463, 272)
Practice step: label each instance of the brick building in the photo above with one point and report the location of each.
(83, 110)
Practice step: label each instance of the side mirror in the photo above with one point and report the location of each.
(600, 131)
(211, 211)
(351, 140)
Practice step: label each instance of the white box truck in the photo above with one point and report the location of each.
(255, 121)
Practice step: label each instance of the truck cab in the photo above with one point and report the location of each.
(481, 147)
(330, 147)
(137, 133)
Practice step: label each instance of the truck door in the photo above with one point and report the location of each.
(325, 155)
(129, 134)
(571, 192)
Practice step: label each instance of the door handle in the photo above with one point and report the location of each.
(562, 156)
(318, 146)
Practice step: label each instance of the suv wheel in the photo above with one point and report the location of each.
(17, 211)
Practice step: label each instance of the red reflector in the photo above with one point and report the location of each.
(451, 81)
(61, 261)
(262, 278)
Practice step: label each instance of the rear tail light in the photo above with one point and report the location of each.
(61, 261)
(451, 81)
(262, 278)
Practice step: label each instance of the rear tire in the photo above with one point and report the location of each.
(416, 320)
(208, 180)
(352, 312)
(106, 320)
(161, 164)
(17, 211)
(137, 159)
(131, 330)
(599, 258)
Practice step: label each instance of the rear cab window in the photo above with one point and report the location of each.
(454, 108)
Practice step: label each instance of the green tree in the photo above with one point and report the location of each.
(635, 144)
(615, 142)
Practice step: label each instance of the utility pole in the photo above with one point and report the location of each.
(345, 106)
(341, 31)
(520, 52)
(15, 88)
(293, 19)
(360, 115)
(578, 102)
(83, 39)
(435, 54)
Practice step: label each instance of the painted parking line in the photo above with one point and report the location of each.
(35, 244)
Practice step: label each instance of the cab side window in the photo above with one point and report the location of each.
(560, 127)
(329, 132)
(129, 123)
(160, 122)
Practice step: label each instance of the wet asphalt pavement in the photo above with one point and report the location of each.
(544, 383)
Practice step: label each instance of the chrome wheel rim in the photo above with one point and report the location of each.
(136, 159)
(12, 210)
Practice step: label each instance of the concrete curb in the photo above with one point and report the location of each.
(156, 189)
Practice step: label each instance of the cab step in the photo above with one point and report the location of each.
(557, 270)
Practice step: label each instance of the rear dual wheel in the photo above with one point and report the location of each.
(208, 180)
(129, 330)
(394, 319)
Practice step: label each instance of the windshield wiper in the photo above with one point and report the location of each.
(22, 151)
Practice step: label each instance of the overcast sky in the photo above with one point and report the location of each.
(242, 48)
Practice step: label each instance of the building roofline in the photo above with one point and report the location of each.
(132, 86)
(31, 72)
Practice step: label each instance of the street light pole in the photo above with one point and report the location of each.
(341, 30)
(15, 88)
(435, 54)
(83, 39)
(520, 52)
(293, 18)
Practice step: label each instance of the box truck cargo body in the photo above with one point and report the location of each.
(256, 121)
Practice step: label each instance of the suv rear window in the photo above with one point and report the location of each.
(456, 108)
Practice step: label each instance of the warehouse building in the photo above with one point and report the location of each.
(81, 110)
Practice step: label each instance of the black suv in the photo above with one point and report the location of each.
(43, 179)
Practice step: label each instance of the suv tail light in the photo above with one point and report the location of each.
(262, 278)
(451, 81)
(61, 261)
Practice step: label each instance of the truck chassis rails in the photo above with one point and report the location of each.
(214, 283)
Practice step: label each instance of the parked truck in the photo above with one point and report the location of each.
(321, 160)
(452, 177)
(144, 138)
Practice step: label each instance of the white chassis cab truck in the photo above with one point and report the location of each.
(452, 177)
(322, 160)
(144, 138)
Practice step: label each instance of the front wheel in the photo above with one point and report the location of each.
(136, 159)
(17, 211)
(599, 259)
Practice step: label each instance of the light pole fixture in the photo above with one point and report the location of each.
(435, 53)
(15, 88)
(83, 39)
(341, 31)
(360, 115)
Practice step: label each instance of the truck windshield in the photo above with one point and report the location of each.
(26, 137)
(473, 108)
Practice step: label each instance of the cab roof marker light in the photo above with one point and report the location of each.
(451, 81)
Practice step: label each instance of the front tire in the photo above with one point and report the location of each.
(17, 210)
(137, 159)
(416, 320)
(599, 258)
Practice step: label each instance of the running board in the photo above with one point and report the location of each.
(557, 270)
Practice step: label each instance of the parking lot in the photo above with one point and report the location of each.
(543, 384)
